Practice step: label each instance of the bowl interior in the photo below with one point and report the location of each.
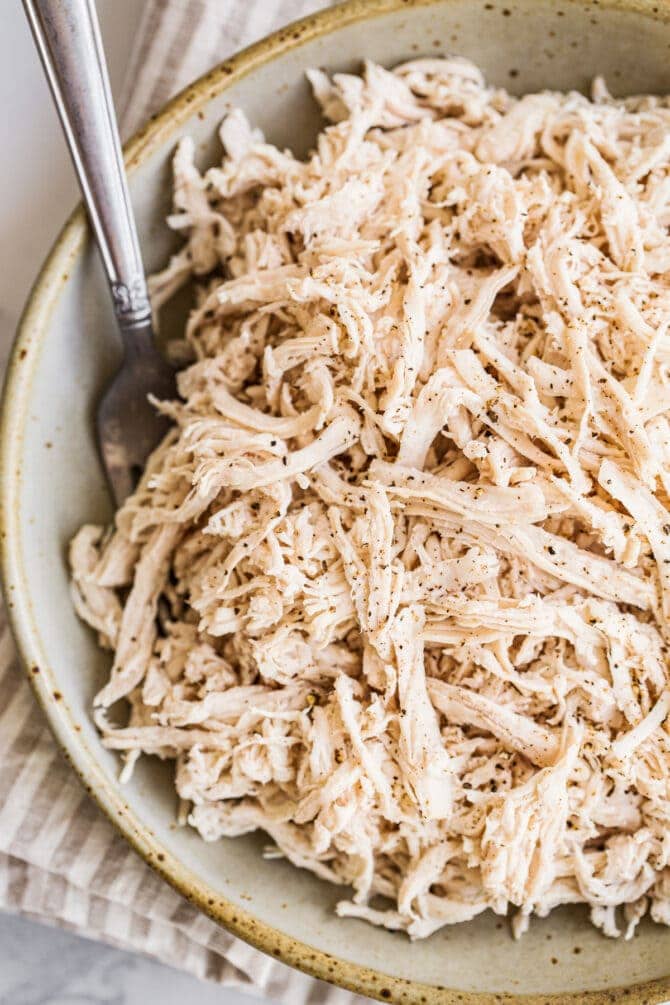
(53, 482)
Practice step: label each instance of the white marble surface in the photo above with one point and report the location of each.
(46, 966)
(39, 965)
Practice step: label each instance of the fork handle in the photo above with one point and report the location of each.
(67, 35)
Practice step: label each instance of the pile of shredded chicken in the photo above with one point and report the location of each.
(395, 589)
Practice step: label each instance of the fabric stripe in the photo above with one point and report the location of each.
(17, 802)
(177, 51)
(17, 731)
(153, 18)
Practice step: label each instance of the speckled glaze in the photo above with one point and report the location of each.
(51, 482)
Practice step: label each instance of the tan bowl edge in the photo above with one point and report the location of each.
(25, 351)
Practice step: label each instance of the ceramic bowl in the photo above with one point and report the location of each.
(51, 482)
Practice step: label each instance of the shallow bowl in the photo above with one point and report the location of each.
(51, 482)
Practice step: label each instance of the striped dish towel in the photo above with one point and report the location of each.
(61, 861)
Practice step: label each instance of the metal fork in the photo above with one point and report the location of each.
(68, 40)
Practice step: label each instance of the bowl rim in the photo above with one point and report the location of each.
(33, 325)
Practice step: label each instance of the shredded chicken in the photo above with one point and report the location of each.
(395, 589)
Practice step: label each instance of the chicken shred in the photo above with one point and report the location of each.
(395, 588)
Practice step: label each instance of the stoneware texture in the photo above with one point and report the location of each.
(51, 482)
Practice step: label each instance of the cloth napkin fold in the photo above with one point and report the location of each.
(61, 861)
